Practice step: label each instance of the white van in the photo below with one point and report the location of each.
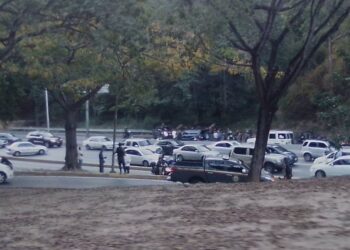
(277, 137)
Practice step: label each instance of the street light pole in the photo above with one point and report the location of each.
(47, 111)
(114, 132)
(87, 119)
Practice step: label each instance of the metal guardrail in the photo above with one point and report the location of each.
(138, 132)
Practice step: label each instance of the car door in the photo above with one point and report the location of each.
(242, 153)
(339, 167)
(223, 148)
(189, 153)
(216, 172)
(26, 148)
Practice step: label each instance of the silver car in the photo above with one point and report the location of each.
(194, 153)
(223, 147)
(25, 148)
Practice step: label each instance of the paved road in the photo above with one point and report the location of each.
(300, 170)
(78, 182)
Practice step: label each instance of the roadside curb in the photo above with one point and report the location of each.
(12, 158)
(87, 174)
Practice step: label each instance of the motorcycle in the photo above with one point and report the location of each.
(161, 167)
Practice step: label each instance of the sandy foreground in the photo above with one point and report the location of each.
(312, 214)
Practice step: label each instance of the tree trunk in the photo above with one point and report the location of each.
(71, 159)
(263, 127)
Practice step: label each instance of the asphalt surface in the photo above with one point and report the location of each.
(69, 182)
(300, 170)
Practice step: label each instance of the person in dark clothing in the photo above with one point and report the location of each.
(101, 160)
(289, 172)
(121, 160)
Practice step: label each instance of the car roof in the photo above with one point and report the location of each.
(225, 141)
(311, 140)
(345, 157)
(281, 131)
(20, 142)
(97, 136)
(136, 139)
(245, 145)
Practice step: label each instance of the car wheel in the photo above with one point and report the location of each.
(195, 180)
(88, 147)
(269, 167)
(307, 157)
(320, 174)
(145, 163)
(2, 177)
(17, 153)
(41, 152)
(179, 158)
(47, 144)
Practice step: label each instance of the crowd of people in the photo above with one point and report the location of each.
(211, 133)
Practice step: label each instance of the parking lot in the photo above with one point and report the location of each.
(57, 155)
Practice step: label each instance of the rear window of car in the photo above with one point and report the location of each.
(240, 151)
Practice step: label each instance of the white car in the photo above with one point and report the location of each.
(277, 137)
(338, 167)
(6, 170)
(311, 149)
(142, 143)
(139, 156)
(25, 148)
(98, 142)
(331, 156)
(223, 147)
(194, 152)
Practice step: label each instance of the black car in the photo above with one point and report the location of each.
(168, 145)
(213, 170)
(44, 138)
(291, 157)
(10, 138)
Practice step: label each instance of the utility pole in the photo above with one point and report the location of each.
(47, 111)
(114, 132)
(87, 119)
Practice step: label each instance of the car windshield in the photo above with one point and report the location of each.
(106, 139)
(145, 143)
(48, 135)
(203, 148)
(281, 149)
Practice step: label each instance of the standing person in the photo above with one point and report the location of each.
(101, 158)
(127, 161)
(80, 158)
(121, 160)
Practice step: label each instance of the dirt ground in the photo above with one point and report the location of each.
(312, 214)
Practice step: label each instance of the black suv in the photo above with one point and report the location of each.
(44, 138)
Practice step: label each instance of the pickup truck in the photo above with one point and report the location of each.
(213, 169)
